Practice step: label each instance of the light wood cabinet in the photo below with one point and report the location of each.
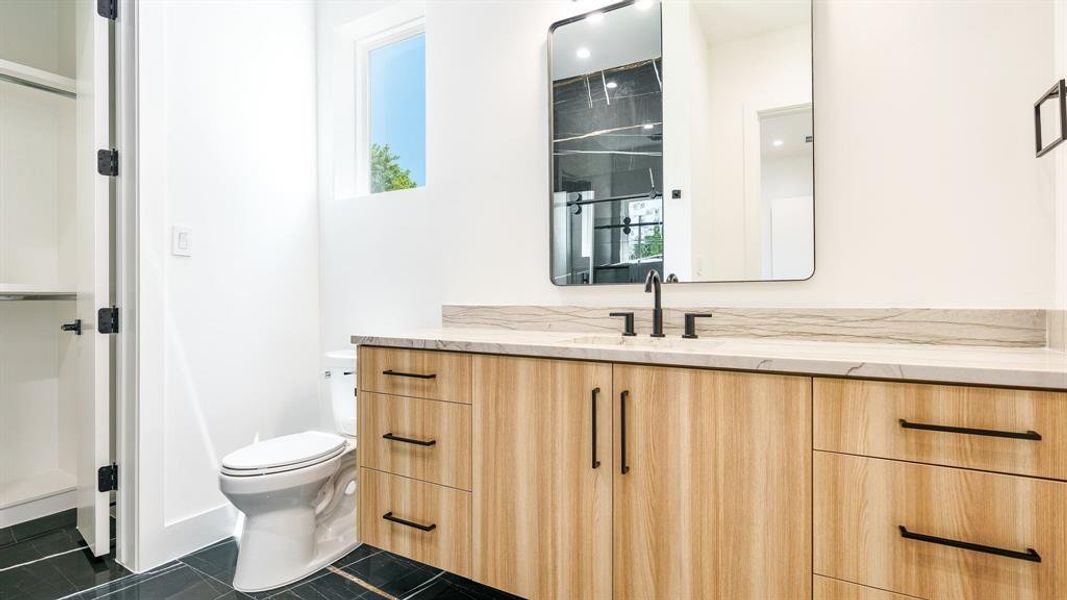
(423, 521)
(937, 532)
(423, 439)
(1011, 431)
(542, 477)
(834, 589)
(712, 484)
(415, 373)
(613, 481)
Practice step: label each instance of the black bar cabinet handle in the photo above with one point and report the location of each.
(397, 438)
(596, 392)
(415, 375)
(389, 517)
(625, 468)
(1015, 435)
(1030, 554)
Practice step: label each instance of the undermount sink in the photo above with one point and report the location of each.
(644, 341)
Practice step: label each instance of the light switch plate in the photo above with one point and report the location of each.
(181, 243)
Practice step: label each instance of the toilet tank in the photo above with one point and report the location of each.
(341, 383)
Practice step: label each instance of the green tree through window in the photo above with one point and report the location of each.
(386, 174)
(650, 246)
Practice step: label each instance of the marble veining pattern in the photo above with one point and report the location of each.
(1057, 329)
(1010, 367)
(956, 327)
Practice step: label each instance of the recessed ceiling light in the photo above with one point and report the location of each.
(595, 18)
(777, 142)
(611, 85)
(583, 52)
(643, 4)
(649, 126)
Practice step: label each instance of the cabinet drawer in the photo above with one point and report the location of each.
(1011, 431)
(832, 589)
(422, 439)
(419, 373)
(939, 532)
(422, 521)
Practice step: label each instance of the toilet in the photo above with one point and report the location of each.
(297, 493)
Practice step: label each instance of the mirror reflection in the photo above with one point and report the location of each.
(683, 141)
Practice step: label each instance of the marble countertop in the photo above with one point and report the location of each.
(1011, 367)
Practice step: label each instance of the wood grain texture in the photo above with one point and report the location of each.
(447, 462)
(832, 589)
(446, 547)
(717, 500)
(542, 514)
(860, 503)
(862, 417)
(452, 373)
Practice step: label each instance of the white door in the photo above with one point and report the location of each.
(93, 239)
(792, 238)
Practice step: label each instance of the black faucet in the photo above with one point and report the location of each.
(652, 283)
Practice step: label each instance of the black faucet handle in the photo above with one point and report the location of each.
(691, 324)
(629, 322)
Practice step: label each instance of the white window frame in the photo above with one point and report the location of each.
(395, 32)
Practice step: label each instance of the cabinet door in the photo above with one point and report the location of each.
(92, 238)
(542, 506)
(712, 492)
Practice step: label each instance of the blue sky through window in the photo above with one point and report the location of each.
(398, 102)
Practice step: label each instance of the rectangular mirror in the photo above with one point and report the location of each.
(682, 141)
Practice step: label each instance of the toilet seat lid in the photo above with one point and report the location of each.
(284, 451)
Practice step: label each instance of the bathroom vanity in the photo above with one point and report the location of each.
(551, 465)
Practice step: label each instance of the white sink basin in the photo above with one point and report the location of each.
(644, 341)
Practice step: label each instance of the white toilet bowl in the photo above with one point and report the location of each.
(297, 493)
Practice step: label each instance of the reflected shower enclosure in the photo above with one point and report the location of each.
(607, 146)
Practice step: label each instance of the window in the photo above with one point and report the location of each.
(395, 113)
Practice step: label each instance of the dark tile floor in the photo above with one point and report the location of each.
(46, 560)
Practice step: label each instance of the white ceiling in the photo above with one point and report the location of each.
(623, 36)
(726, 20)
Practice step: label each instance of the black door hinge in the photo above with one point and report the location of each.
(109, 9)
(107, 320)
(107, 162)
(107, 478)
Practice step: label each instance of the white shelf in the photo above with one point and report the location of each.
(40, 485)
(22, 291)
(38, 77)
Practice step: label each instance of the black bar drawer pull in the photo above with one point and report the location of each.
(389, 517)
(624, 468)
(413, 375)
(396, 438)
(1015, 435)
(1030, 554)
(596, 392)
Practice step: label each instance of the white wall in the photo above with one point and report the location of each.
(39, 34)
(228, 337)
(766, 71)
(927, 191)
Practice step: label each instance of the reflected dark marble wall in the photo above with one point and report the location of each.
(608, 139)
